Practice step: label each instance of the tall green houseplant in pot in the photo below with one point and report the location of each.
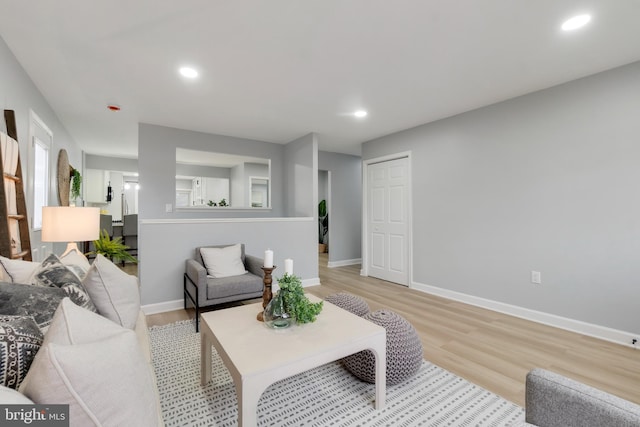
(323, 226)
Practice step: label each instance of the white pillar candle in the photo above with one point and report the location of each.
(288, 266)
(268, 258)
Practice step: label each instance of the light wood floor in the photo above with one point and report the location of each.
(487, 348)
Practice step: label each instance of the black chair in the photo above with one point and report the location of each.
(130, 233)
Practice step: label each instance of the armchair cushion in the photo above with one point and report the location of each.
(237, 285)
(223, 262)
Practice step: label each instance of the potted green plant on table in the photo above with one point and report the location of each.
(113, 249)
(290, 304)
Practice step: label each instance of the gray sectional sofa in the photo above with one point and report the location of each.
(553, 400)
(83, 339)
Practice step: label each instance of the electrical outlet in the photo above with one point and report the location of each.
(168, 207)
(536, 277)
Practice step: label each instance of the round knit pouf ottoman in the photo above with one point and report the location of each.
(351, 303)
(404, 350)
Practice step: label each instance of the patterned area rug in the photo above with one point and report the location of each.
(325, 396)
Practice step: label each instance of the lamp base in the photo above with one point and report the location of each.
(71, 246)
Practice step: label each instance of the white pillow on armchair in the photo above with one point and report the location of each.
(223, 262)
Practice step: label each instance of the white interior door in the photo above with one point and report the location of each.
(388, 224)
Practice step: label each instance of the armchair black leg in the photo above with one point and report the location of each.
(193, 300)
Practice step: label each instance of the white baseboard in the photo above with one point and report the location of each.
(178, 304)
(162, 307)
(310, 282)
(578, 326)
(305, 283)
(344, 262)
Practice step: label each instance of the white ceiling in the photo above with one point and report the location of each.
(276, 70)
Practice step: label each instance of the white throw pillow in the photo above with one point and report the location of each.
(72, 325)
(114, 292)
(17, 270)
(9, 396)
(94, 366)
(77, 262)
(223, 262)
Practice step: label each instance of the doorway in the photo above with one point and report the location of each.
(324, 209)
(387, 222)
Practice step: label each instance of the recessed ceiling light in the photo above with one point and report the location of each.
(188, 72)
(576, 22)
(360, 113)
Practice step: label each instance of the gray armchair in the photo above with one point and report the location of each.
(205, 291)
(553, 400)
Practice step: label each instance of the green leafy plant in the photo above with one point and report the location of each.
(323, 221)
(112, 248)
(223, 202)
(295, 301)
(76, 182)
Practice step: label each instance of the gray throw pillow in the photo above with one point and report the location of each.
(53, 273)
(20, 339)
(27, 300)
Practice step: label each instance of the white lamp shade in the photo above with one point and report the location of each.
(70, 224)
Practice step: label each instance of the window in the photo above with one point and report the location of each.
(39, 152)
(40, 180)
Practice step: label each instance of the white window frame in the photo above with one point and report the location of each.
(43, 180)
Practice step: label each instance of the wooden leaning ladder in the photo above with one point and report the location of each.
(14, 224)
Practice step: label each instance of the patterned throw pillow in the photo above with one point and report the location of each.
(76, 262)
(27, 300)
(20, 339)
(53, 273)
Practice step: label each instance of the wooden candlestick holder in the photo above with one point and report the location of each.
(266, 294)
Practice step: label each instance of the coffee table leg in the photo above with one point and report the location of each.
(205, 355)
(380, 353)
(248, 398)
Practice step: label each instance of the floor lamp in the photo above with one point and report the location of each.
(70, 224)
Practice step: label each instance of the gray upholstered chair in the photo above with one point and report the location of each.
(205, 291)
(553, 400)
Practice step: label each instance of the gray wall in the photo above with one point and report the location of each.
(345, 208)
(120, 164)
(18, 93)
(164, 247)
(157, 164)
(206, 171)
(166, 239)
(237, 185)
(301, 165)
(548, 182)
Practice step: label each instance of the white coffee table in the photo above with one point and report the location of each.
(258, 356)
